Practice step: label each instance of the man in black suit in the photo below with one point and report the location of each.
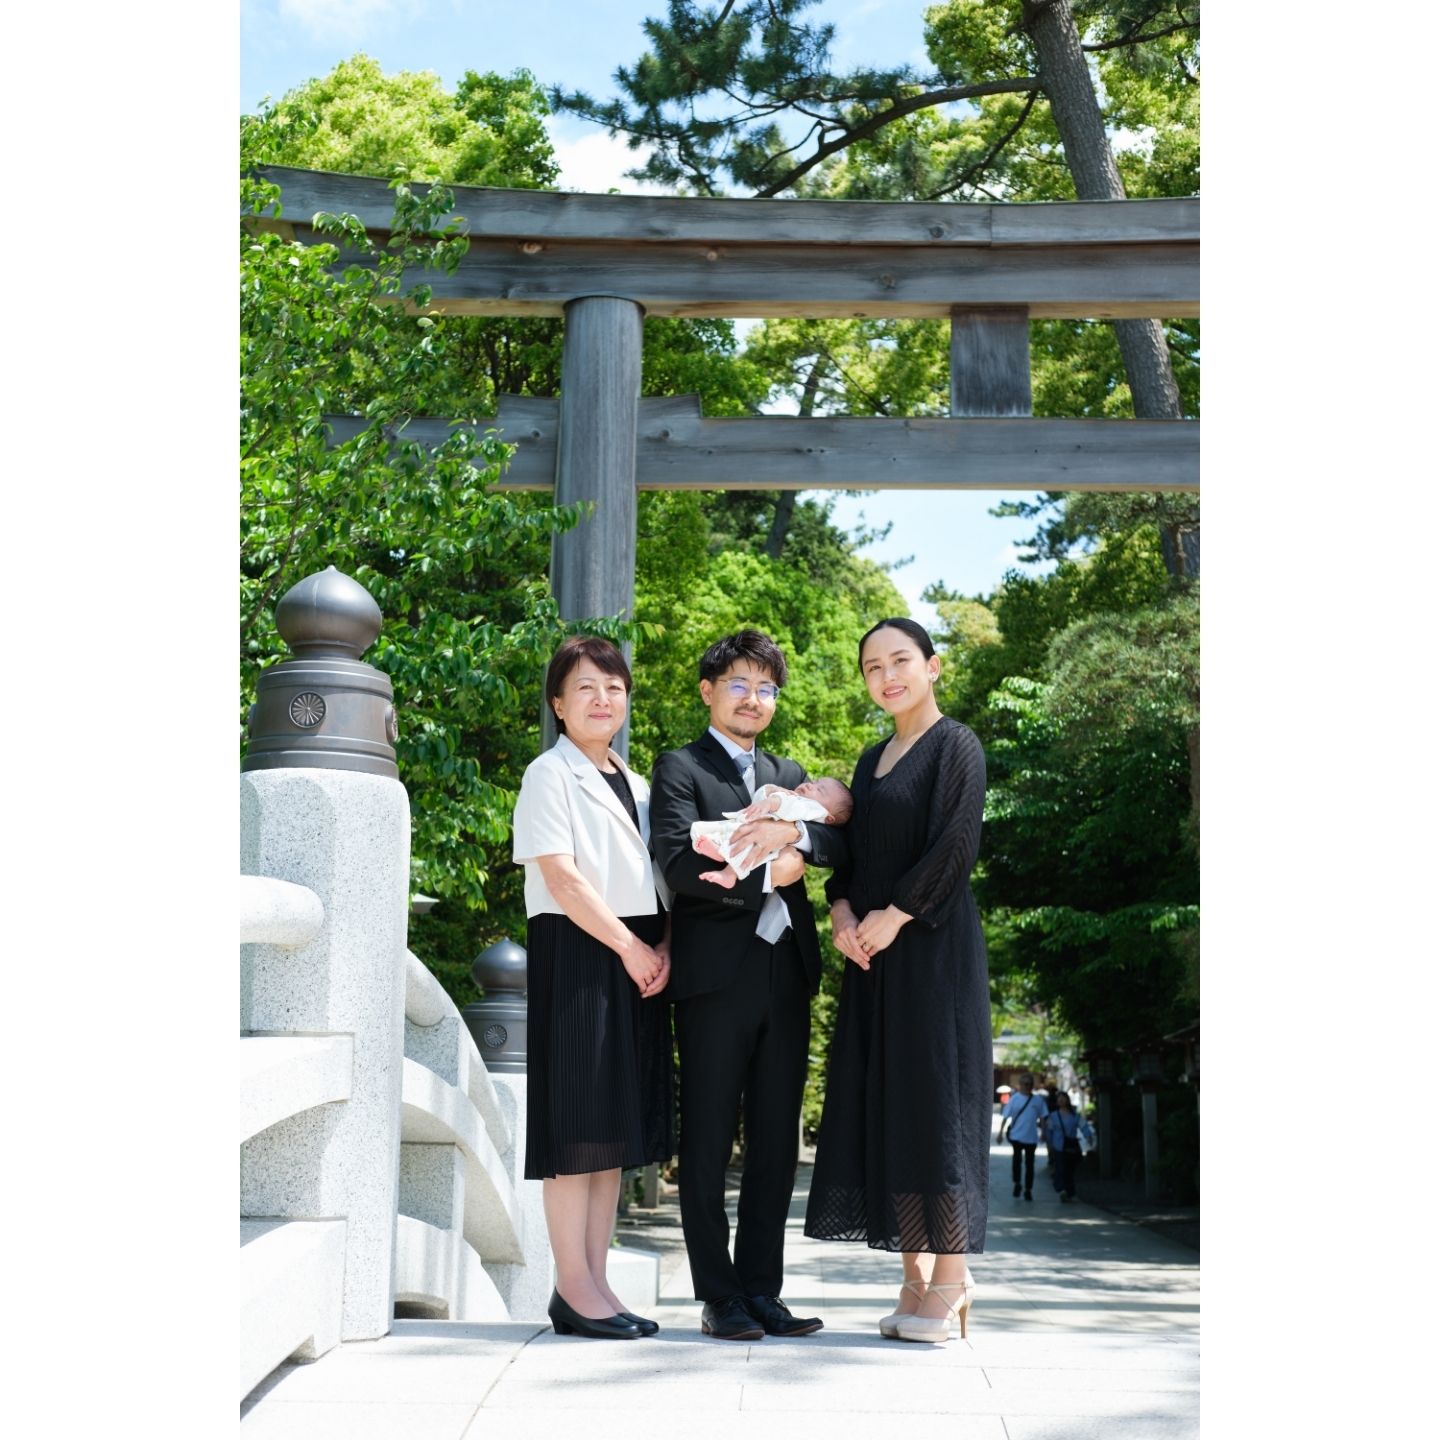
(744, 964)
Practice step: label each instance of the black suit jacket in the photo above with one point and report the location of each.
(712, 928)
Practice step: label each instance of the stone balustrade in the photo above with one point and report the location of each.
(380, 1164)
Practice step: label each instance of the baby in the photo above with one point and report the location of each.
(824, 799)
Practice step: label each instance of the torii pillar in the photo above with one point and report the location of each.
(592, 567)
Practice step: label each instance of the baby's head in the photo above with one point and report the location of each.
(835, 797)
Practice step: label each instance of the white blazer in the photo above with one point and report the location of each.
(566, 807)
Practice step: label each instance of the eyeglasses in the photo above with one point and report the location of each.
(740, 689)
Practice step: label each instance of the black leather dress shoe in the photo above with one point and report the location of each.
(647, 1327)
(571, 1322)
(730, 1319)
(773, 1313)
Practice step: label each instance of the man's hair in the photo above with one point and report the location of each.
(599, 651)
(760, 650)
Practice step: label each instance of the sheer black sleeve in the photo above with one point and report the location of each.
(952, 840)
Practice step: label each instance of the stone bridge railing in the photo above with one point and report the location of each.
(380, 1164)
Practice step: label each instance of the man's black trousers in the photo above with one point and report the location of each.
(747, 1044)
(1016, 1148)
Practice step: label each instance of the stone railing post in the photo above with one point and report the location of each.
(499, 1025)
(322, 806)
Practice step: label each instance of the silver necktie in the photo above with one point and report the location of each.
(774, 917)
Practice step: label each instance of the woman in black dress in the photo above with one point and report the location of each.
(903, 1153)
(600, 1097)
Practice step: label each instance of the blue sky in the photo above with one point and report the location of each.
(283, 43)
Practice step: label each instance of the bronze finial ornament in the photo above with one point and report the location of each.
(324, 708)
(499, 1024)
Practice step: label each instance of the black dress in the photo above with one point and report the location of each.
(601, 1085)
(903, 1153)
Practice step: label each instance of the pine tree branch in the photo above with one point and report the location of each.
(819, 126)
(984, 163)
(897, 111)
(1134, 39)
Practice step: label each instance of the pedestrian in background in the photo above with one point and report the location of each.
(1024, 1111)
(1063, 1130)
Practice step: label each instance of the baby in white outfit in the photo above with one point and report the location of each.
(823, 799)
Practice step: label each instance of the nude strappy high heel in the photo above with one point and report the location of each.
(889, 1322)
(937, 1330)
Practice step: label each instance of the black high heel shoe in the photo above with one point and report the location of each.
(647, 1327)
(570, 1322)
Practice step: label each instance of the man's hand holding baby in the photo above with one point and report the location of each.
(769, 829)
(767, 834)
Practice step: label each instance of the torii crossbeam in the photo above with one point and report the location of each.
(606, 261)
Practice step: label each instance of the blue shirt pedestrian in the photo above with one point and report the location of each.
(1063, 1125)
(1024, 1118)
(1024, 1112)
(1063, 1131)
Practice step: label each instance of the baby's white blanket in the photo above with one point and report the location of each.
(791, 807)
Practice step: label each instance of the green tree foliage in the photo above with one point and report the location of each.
(361, 121)
(476, 604)
(746, 95)
(825, 718)
(358, 120)
(458, 568)
(1086, 696)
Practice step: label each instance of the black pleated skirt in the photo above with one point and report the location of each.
(601, 1084)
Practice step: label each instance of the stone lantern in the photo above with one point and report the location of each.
(498, 1023)
(1104, 1077)
(1150, 1072)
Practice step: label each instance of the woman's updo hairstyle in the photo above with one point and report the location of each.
(917, 633)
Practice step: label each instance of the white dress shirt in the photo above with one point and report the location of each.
(774, 916)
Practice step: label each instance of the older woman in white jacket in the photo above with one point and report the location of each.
(600, 1097)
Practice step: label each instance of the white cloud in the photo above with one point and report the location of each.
(346, 20)
(594, 162)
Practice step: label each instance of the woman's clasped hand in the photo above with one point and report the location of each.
(846, 931)
(647, 965)
(859, 940)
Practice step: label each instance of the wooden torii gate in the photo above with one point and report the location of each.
(606, 261)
